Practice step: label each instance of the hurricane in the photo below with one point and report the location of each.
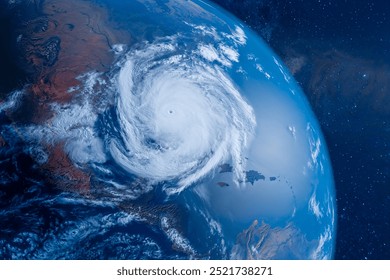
(166, 112)
(158, 130)
(179, 116)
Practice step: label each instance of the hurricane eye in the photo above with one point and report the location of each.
(193, 114)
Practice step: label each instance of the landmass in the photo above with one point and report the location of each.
(65, 40)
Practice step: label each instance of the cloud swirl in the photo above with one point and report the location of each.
(179, 115)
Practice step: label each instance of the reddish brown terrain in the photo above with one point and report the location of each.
(71, 38)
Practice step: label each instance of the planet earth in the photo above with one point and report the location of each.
(339, 53)
(155, 130)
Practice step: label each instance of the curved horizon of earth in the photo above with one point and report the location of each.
(157, 131)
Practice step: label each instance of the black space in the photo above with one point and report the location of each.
(356, 127)
(358, 26)
(341, 41)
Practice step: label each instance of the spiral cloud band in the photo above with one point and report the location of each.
(179, 115)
